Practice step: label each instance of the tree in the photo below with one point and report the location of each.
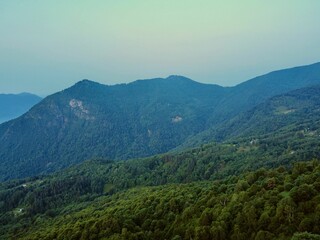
(286, 210)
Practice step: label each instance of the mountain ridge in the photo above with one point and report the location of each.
(315, 65)
(126, 121)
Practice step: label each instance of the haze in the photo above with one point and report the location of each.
(46, 46)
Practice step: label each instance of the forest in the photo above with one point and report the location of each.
(263, 187)
(277, 203)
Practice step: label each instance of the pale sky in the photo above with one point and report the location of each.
(48, 45)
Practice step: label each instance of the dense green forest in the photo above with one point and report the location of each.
(292, 143)
(264, 204)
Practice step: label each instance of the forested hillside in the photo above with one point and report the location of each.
(254, 91)
(93, 120)
(302, 105)
(264, 204)
(33, 200)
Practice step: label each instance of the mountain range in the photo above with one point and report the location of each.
(247, 173)
(210, 184)
(139, 119)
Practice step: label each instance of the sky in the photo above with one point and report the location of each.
(47, 46)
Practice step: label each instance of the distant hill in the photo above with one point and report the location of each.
(14, 105)
(123, 121)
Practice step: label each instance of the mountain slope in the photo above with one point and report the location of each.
(297, 106)
(43, 205)
(14, 105)
(252, 92)
(89, 119)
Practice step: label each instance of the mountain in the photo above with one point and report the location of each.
(118, 122)
(124, 121)
(14, 105)
(302, 105)
(252, 92)
(297, 106)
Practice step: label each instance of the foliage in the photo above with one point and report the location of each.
(209, 162)
(256, 205)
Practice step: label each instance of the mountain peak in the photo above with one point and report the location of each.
(178, 77)
(166, 81)
(84, 86)
(86, 82)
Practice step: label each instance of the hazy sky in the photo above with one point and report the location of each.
(48, 45)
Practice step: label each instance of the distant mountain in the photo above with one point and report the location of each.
(14, 105)
(252, 92)
(138, 119)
